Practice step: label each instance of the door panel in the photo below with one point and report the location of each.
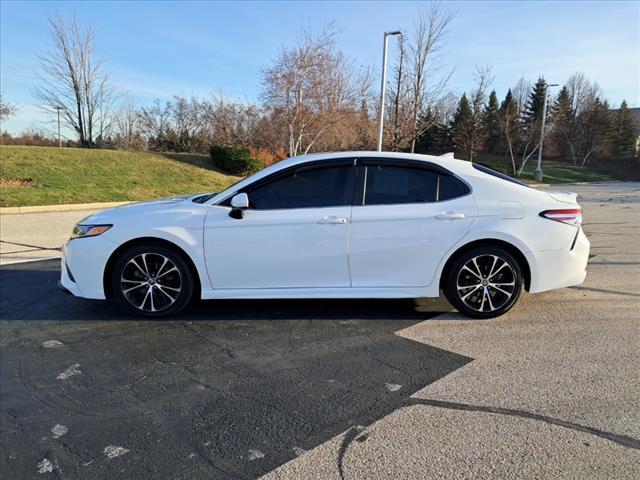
(278, 248)
(396, 244)
(294, 235)
(402, 245)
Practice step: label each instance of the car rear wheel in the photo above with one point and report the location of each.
(152, 281)
(484, 282)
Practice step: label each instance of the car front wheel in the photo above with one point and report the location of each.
(484, 282)
(152, 281)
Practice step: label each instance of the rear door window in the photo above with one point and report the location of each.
(389, 184)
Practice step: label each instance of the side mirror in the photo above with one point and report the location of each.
(240, 200)
(239, 203)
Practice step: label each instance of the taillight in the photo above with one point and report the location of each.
(571, 216)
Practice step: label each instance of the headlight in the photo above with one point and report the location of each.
(81, 231)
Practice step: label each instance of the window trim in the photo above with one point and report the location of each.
(361, 189)
(301, 167)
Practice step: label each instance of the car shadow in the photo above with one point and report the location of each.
(29, 291)
(232, 389)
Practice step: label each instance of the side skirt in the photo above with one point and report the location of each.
(360, 292)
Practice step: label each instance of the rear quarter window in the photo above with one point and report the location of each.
(450, 187)
(499, 175)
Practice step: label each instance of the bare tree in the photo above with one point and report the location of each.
(126, 126)
(521, 91)
(230, 123)
(427, 86)
(483, 78)
(179, 125)
(522, 140)
(582, 92)
(510, 127)
(586, 128)
(399, 110)
(310, 86)
(72, 78)
(155, 124)
(418, 83)
(529, 144)
(6, 109)
(468, 126)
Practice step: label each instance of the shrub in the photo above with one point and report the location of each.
(264, 156)
(236, 161)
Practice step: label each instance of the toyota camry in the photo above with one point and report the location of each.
(336, 225)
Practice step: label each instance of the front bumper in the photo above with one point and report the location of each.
(561, 268)
(85, 259)
(63, 288)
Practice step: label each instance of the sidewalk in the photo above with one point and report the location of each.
(36, 235)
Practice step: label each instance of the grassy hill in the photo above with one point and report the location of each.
(554, 172)
(47, 175)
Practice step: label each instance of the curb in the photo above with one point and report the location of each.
(59, 208)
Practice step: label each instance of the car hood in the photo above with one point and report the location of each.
(137, 208)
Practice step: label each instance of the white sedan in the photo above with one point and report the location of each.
(336, 225)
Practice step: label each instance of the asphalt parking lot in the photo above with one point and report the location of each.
(328, 389)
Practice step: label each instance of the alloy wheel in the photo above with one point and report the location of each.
(486, 283)
(151, 282)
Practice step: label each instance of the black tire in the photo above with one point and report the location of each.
(164, 291)
(483, 294)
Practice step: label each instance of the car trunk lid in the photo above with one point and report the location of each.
(564, 197)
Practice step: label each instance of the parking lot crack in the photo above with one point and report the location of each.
(623, 440)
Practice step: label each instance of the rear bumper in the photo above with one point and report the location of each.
(560, 268)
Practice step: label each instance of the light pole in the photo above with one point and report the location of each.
(383, 85)
(538, 173)
(58, 108)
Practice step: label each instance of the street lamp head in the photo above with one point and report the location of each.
(397, 32)
(553, 85)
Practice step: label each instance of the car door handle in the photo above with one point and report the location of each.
(451, 216)
(330, 219)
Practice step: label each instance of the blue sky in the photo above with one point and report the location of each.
(158, 49)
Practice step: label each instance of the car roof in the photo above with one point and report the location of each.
(446, 160)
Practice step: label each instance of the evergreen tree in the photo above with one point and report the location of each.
(625, 134)
(535, 103)
(563, 118)
(594, 131)
(491, 124)
(436, 139)
(509, 106)
(463, 129)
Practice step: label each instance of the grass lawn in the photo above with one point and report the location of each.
(47, 175)
(554, 172)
